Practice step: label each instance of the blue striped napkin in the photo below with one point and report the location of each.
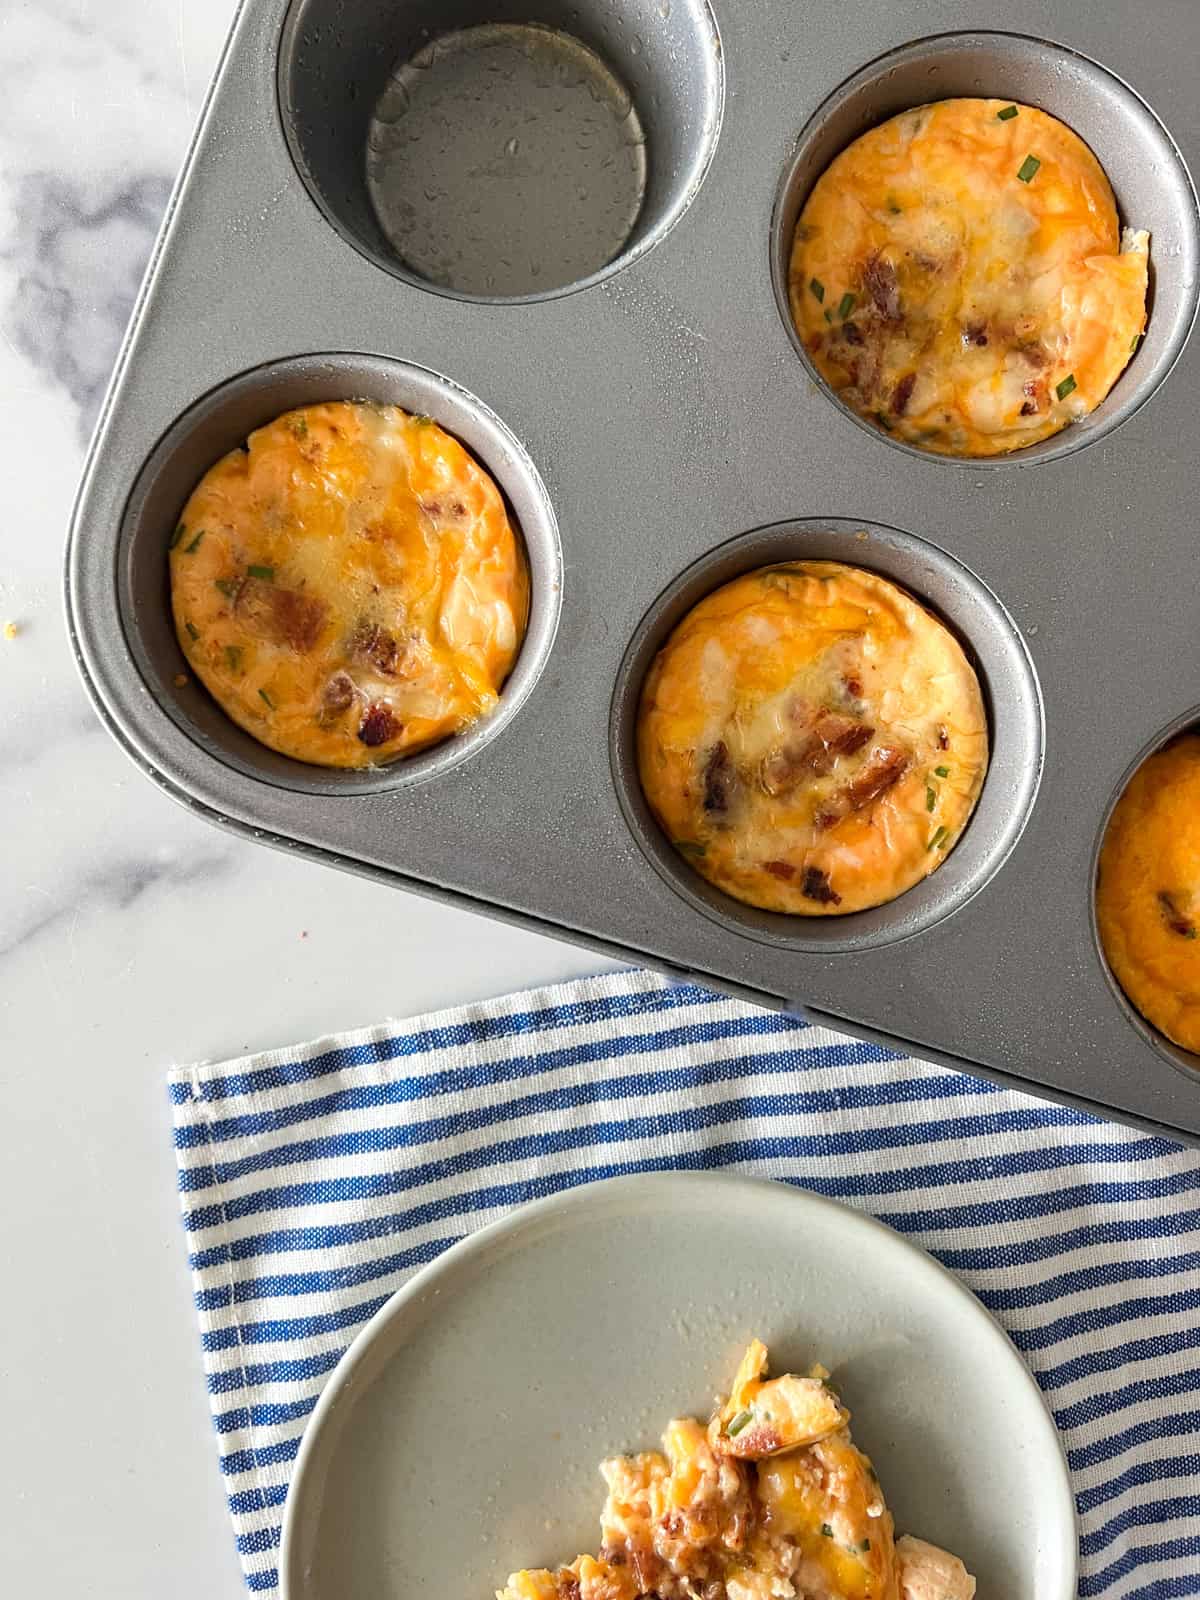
(315, 1180)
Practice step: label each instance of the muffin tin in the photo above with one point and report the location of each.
(656, 430)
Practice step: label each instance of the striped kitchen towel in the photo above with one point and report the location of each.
(315, 1180)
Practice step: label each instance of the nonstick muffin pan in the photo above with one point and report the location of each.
(656, 430)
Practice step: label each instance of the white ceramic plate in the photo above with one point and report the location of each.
(459, 1437)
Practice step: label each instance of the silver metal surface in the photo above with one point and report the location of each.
(650, 420)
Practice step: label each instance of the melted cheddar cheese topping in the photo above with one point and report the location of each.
(349, 587)
(732, 1511)
(1148, 894)
(811, 739)
(958, 277)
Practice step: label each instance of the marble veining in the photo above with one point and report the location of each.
(133, 935)
(75, 234)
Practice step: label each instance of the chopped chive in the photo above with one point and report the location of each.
(818, 289)
(845, 306)
(189, 549)
(193, 631)
(1066, 387)
(689, 847)
(262, 572)
(939, 838)
(865, 1546)
(1134, 342)
(828, 314)
(930, 798)
(421, 419)
(263, 695)
(227, 586)
(233, 657)
(826, 1530)
(1007, 114)
(739, 1423)
(941, 772)
(299, 427)
(180, 530)
(1027, 168)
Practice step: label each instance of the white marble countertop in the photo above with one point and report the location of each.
(132, 935)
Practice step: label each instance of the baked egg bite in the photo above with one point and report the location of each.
(811, 739)
(1148, 893)
(348, 587)
(958, 276)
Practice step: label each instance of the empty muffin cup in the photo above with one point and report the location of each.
(497, 156)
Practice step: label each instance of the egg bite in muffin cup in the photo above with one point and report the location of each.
(349, 587)
(1148, 891)
(811, 739)
(959, 278)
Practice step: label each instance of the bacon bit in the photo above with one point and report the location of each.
(816, 886)
(719, 778)
(851, 334)
(1034, 354)
(888, 767)
(1176, 921)
(612, 1555)
(832, 735)
(1029, 409)
(284, 615)
(780, 869)
(337, 696)
(943, 737)
(879, 281)
(902, 393)
(853, 687)
(442, 508)
(376, 645)
(975, 333)
(647, 1570)
(378, 726)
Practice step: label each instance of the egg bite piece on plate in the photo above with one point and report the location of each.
(811, 739)
(349, 587)
(1148, 893)
(803, 1521)
(958, 276)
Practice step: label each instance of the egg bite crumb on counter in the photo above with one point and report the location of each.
(811, 739)
(1148, 891)
(958, 276)
(349, 587)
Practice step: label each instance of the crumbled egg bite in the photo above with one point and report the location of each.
(771, 1501)
(958, 277)
(1148, 894)
(348, 587)
(811, 739)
